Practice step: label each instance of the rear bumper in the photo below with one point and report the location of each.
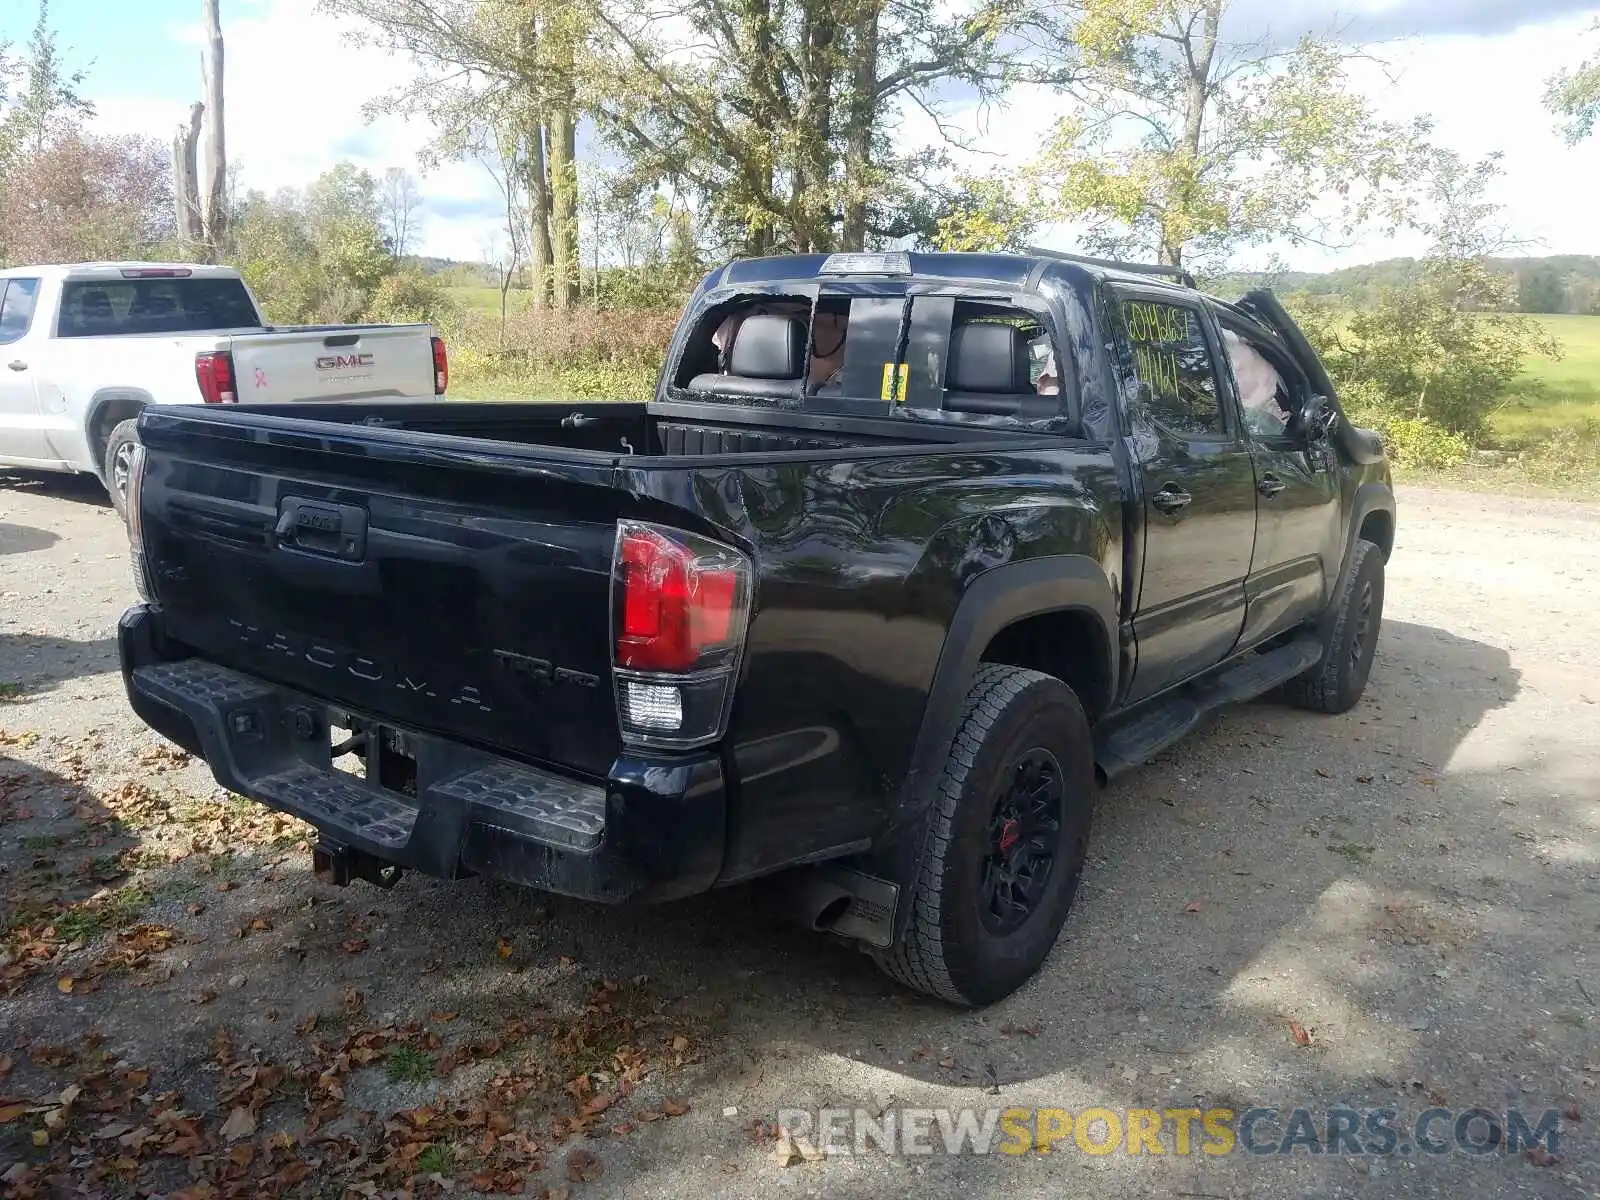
(653, 830)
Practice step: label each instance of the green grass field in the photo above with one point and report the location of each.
(1551, 395)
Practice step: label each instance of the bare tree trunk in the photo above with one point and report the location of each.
(862, 120)
(564, 203)
(214, 183)
(1198, 56)
(538, 217)
(813, 173)
(185, 177)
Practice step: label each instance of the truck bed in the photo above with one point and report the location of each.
(631, 429)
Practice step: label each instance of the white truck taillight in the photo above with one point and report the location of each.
(135, 521)
(680, 610)
(441, 367)
(213, 371)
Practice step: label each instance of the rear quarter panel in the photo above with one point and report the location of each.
(862, 562)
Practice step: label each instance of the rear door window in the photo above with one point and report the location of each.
(108, 307)
(1171, 361)
(16, 307)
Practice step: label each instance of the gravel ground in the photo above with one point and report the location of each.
(1408, 889)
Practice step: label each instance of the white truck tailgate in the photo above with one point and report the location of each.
(337, 363)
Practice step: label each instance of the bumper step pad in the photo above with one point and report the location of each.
(252, 750)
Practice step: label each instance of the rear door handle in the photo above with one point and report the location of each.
(1171, 498)
(1270, 485)
(16, 364)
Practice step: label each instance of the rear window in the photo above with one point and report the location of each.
(106, 307)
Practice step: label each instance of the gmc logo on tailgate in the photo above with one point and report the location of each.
(338, 362)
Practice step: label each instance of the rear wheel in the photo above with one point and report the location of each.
(1005, 843)
(1336, 684)
(117, 465)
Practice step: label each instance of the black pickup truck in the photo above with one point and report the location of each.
(908, 554)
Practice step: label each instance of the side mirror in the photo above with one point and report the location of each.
(1318, 419)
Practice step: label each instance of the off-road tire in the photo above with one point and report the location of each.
(113, 465)
(946, 950)
(1336, 683)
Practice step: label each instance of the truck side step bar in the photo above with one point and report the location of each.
(1121, 745)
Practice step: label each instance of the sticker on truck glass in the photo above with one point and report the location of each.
(894, 382)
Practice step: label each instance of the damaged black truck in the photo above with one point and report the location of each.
(907, 555)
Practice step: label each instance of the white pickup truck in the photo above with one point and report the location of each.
(84, 347)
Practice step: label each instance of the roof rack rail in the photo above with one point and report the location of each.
(1177, 273)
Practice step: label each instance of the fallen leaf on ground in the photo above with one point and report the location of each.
(1571, 1113)
(680, 1043)
(355, 945)
(5, 1065)
(1298, 1032)
(947, 1063)
(1192, 907)
(503, 948)
(675, 1107)
(65, 984)
(583, 1167)
(241, 1123)
(1540, 1157)
(10, 1112)
(1009, 1029)
(206, 996)
(785, 1153)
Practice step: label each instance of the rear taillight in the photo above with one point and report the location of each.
(680, 609)
(135, 520)
(441, 367)
(213, 371)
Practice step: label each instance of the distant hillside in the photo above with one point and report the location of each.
(1558, 283)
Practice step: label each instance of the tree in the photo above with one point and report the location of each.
(1445, 349)
(214, 162)
(400, 203)
(315, 254)
(1574, 95)
(200, 179)
(81, 198)
(507, 63)
(781, 113)
(1186, 144)
(39, 94)
(1541, 290)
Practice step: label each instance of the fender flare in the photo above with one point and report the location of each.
(1369, 498)
(136, 397)
(996, 598)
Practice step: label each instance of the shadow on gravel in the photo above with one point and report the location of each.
(30, 663)
(84, 489)
(1363, 876)
(1241, 819)
(22, 539)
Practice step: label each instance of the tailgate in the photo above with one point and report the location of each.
(452, 585)
(335, 363)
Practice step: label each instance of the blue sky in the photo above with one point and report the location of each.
(297, 82)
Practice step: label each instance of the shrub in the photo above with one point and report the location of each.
(409, 296)
(1432, 350)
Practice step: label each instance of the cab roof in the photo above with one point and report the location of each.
(994, 270)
